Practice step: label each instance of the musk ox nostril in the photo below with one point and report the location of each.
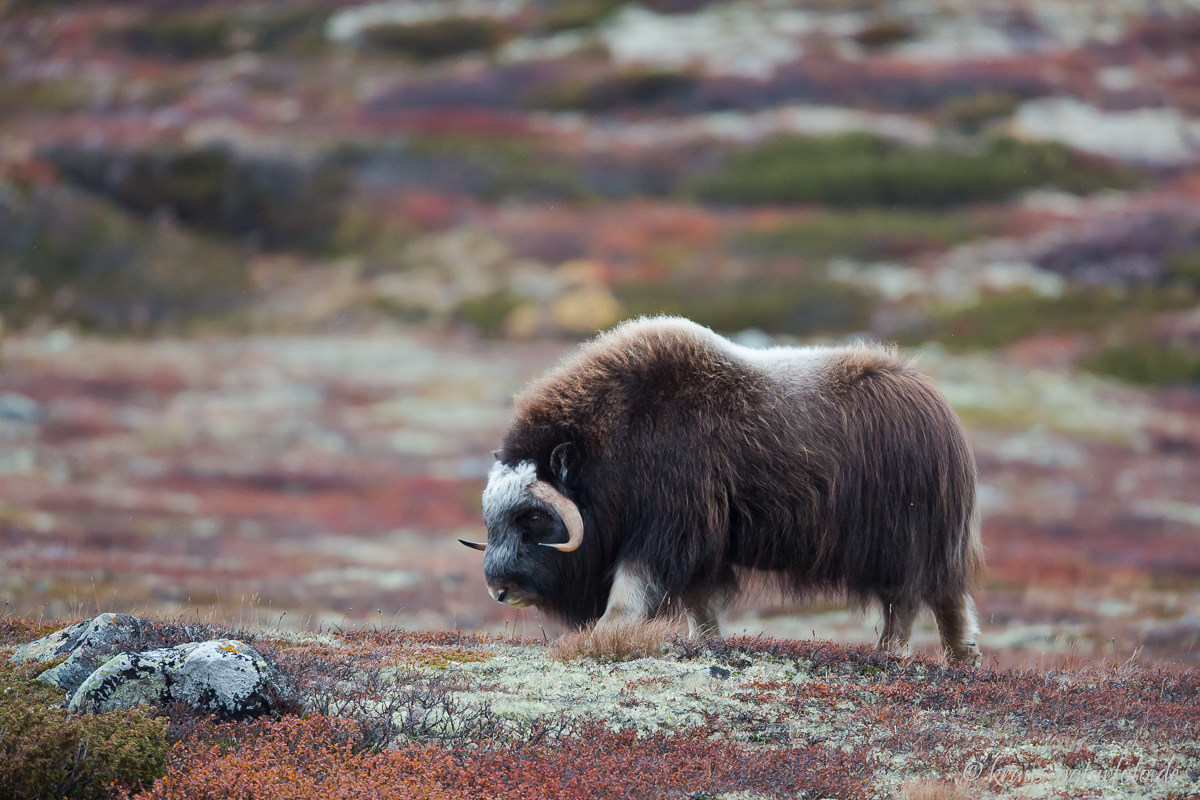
(502, 595)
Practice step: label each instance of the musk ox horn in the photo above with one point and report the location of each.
(474, 545)
(566, 510)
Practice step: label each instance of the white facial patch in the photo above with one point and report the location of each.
(506, 488)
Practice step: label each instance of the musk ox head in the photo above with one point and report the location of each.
(529, 523)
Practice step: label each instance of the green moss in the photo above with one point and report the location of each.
(799, 308)
(47, 753)
(428, 41)
(439, 658)
(1001, 319)
(488, 313)
(182, 36)
(635, 87)
(1149, 363)
(506, 166)
(970, 114)
(53, 96)
(298, 29)
(1185, 267)
(862, 170)
(868, 234)
(400, 311)
(567, 15)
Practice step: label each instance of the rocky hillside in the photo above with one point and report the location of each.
(388, 713)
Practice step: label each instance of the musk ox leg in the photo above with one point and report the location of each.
(702, 612)
(959, 628)
(630, 596)
(703, 624)
(898, 616)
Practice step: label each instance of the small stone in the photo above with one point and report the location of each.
(89, 644)
(19, 408)
(719, 672)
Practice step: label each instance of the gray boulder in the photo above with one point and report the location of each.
(224, 677)
(132, 679)
(19, 408)
(89, 644)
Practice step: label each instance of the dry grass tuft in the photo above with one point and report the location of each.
(625, 640)
(932, 789)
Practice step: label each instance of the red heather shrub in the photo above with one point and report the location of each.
(297, 759)
(19, 630)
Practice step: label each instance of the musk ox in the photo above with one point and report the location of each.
(660, 464)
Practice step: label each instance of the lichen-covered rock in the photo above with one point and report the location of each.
(132, 679)
(89, 644)
(224, 677)
(228, 678)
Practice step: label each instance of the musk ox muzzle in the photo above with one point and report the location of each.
(523, 514)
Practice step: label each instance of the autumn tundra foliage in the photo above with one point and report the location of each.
(387, 713)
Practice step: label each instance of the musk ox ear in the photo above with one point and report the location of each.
(562, 460)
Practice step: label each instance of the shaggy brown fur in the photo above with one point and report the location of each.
(691, 458)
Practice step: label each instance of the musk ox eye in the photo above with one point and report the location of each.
(535, 517)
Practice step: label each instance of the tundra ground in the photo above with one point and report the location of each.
(389, 713)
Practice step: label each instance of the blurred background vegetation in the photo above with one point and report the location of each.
(814, 168)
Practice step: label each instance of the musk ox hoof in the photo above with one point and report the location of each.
(967, 654)
(87, 645)
(224, 677)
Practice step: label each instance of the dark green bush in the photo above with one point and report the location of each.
(428, 41)
(73, 258)
(1001, 319)
(973, 112)
(862, 170)
(885, 31)
(802, 307)
(1185, 267)
(19, 97)
(294, 28)
(270, 203)
(503, 166)
(182, 36)
(47, 754)
(862, 234)
(188, 35)
(567, 15)
(488, 313)
(637, 87)
(1148, 362)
